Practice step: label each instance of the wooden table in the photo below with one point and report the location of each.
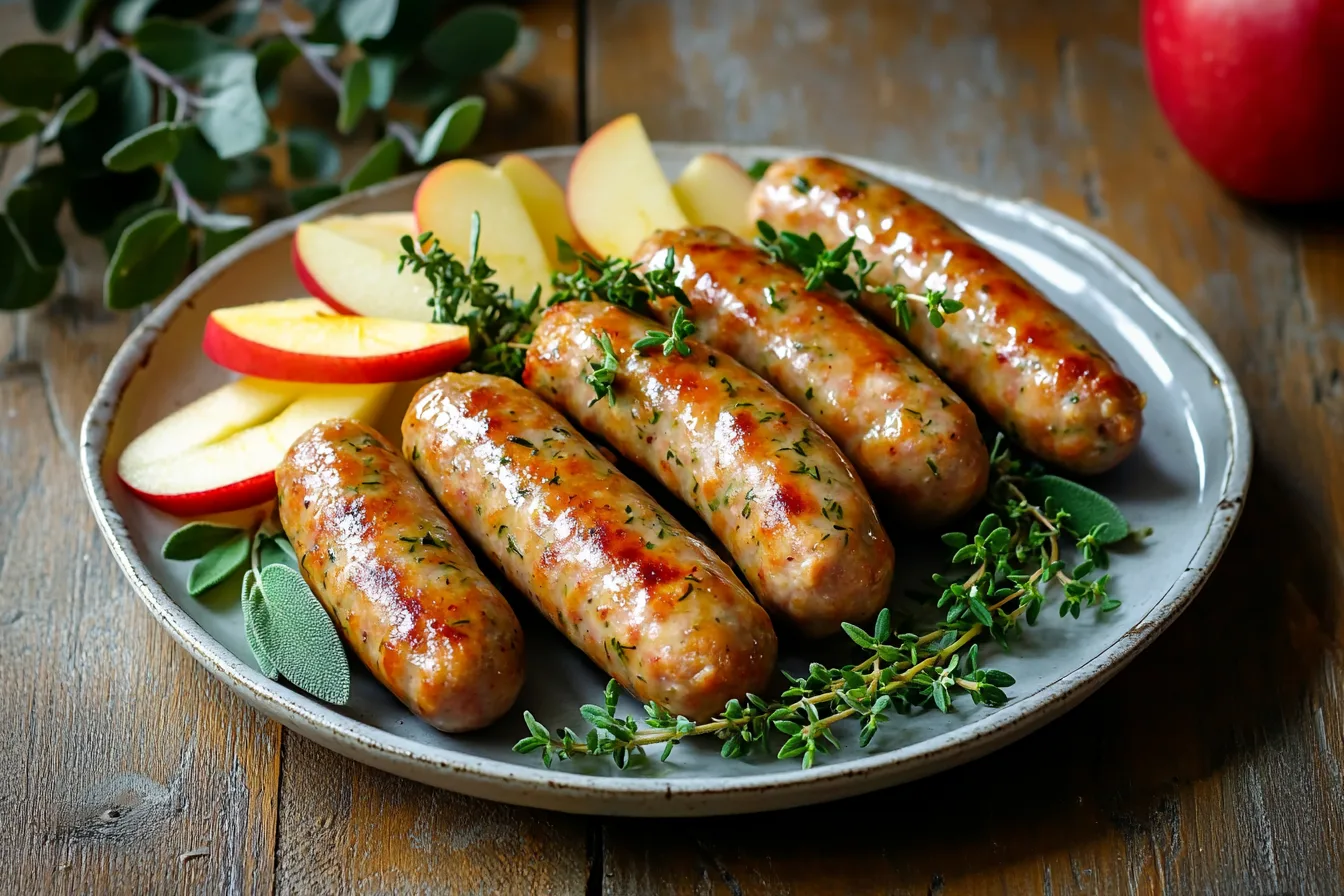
(1213, 764)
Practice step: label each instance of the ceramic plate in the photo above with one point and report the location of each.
(1186, 481)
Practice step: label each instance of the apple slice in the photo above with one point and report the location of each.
(220, 452)
(305, 341)
(617, 192)
(350, 263)
(545, 204)
(714, 190)
(444, 202)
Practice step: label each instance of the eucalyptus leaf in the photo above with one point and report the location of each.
(240, 19)
(53, 15)
(273, 54)
(255, 619)
(148, 260)
(124, 104)
(199, 167)
(311, 154)
(97, 203)
(21, 284)
(366, 19)
(454, 128)
(184, 48)
(1087, 509)
(299, 635)
(382, 79)
(215, 241)
(17, 125)
(473, 40)
(194, 540)
(157, 144)
(218, 563)
(307, 197)
(77, 108)
(420, 84)
(31, 210)
(128, 15)
(232, 118)
(36, 74)
(379, 164)
(247, 173)
(355, 87)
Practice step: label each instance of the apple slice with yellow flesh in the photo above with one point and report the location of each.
(545, 203)
(350, 263)
(617, 193)
(444, 203)
(219, 453)
(305, 341)
(713, 190)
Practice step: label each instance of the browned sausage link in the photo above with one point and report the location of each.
(1039, 374)
(775, 490)
(647, 601)
(404, 590)
(914, 441)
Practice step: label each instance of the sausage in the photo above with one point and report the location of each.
(643, 598)
(1036, 372)
(913, 440)
(394, 574)
(775, 489)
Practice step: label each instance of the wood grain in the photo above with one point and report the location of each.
(1213, 764)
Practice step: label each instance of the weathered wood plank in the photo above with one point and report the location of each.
(1154, 784)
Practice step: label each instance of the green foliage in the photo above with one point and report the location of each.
(160, 113)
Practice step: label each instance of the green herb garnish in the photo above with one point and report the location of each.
(671, 342)
(602, 377)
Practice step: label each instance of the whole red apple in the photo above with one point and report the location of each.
(1254, 89)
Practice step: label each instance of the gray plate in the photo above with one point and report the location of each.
(1187, 481)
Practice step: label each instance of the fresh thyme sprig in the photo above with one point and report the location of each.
(602, 377)
(830, 267)
(614, 280)
(498, 322)
(670, 342)
(1005, 568)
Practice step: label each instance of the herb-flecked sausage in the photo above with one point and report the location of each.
(1039, 374)
(396, 577)
(913, 440)
(773, 487)
(643, 598)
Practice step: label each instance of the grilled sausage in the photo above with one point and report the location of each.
(397, 579)
(1039, 374)
(647, 601)
(914, 442)
(775, 490)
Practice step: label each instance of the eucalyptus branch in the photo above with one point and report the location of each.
(316, 61)
(185, 98)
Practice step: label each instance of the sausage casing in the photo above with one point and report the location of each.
(643, 598)
(1035, 370)
(913, 440)
(776, 490)
(396, 577)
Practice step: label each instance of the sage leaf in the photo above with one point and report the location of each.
(379, 164)
(21, 284)
(77, 108)
(301, 638)
(53, 15)
(455, 127)
(147, 261)
(307, 197)
(355, 87)
(194, 540)
(218, 563)
(1087, 509)
(277, 549)
(256, 618)
(365, 19)
(155, 145)
(311, 154)
(18, 125)
(35, 74)
(232, 117)
(471, 41)
(31, 209)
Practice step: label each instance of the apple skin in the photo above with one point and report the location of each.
(235, 496)
(233, 352)
(1254, 90)
(310, 283)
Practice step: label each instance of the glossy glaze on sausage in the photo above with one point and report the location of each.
(773, 487)
(648, 602)
(404, 590)
(1035, 370)
(913, 440)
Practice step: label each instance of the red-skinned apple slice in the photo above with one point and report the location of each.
(444, 203)
(617, 193)
(302, 340)
(219, 453)
(545, 203)
(350, 263)
(714, 190)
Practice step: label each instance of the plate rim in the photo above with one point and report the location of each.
(698, 794)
